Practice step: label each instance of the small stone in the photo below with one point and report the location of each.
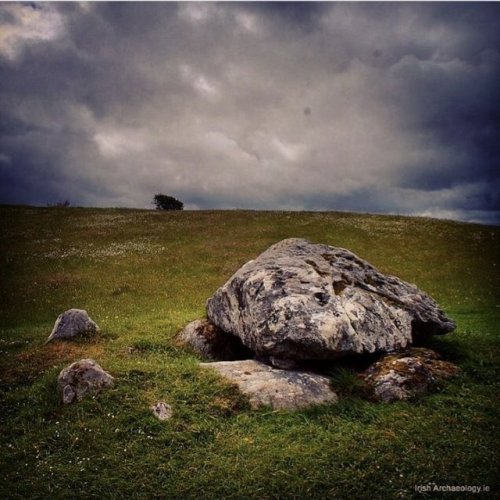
(279, 389)
(211, 343)
(68, 394)
(71, 324)
(81, 378)
(162, 410)
(283, 364)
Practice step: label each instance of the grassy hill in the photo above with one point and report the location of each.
(142, 275)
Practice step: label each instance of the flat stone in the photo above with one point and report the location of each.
(300, 300)
(279, 389)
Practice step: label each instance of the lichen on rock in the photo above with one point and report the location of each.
(404, 375)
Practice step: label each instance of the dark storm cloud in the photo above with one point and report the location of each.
(380, 107)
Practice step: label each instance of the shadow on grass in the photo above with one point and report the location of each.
(446, 348)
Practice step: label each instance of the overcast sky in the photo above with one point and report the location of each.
(371, 107)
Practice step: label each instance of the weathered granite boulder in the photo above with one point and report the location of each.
(211, 343)
(81, 378)
(299, 300)
(280, 389)
(73, 323)
(404, 375)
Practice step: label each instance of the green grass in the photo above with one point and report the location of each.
(142, 275)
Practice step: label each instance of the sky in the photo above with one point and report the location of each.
(366, 107)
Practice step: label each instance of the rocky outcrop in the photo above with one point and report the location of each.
(81, 378)
(71, 324)
(404, 375)
(211, 343)
(299, 300)
(279, 389)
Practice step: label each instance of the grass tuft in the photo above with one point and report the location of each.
(347, 383)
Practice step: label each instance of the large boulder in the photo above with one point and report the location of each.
(81, 378)
(71, 324)
(404, 375)
(279, 389)
(299, 300)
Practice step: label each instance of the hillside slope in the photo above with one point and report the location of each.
(142, 275)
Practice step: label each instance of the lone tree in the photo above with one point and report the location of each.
(165, 202)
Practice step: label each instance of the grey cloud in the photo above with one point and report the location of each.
(380, 107)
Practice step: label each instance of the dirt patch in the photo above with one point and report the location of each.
(34, 361)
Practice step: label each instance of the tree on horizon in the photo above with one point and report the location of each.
(166, 202)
